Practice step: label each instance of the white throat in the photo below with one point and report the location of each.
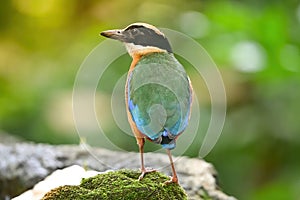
(134, 49)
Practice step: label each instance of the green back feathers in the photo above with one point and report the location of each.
(159, 96)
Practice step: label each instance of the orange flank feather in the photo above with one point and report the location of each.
(138, 135)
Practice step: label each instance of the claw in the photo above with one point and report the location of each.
(172, 180)
(144, 172)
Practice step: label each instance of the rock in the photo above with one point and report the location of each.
(25, 164)
(68, 176)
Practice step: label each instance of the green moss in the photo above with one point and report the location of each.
(122, 184)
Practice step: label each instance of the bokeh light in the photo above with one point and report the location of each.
(194, 24)
(248, 56)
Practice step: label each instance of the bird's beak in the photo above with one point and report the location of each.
(113, 34)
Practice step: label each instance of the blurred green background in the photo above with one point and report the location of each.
(255, 44)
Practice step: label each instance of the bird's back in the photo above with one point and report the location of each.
(159, 97)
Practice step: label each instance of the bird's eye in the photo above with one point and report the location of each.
(134, 31)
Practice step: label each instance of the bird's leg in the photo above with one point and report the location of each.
(174, 178)
(141, 142)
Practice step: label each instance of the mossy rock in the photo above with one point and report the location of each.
(122, 184)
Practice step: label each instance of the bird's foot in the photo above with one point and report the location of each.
(145, 171)
(172, 180)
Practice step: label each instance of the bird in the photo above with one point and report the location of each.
(158, 91)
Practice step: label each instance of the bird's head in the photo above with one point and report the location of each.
(140, 39)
